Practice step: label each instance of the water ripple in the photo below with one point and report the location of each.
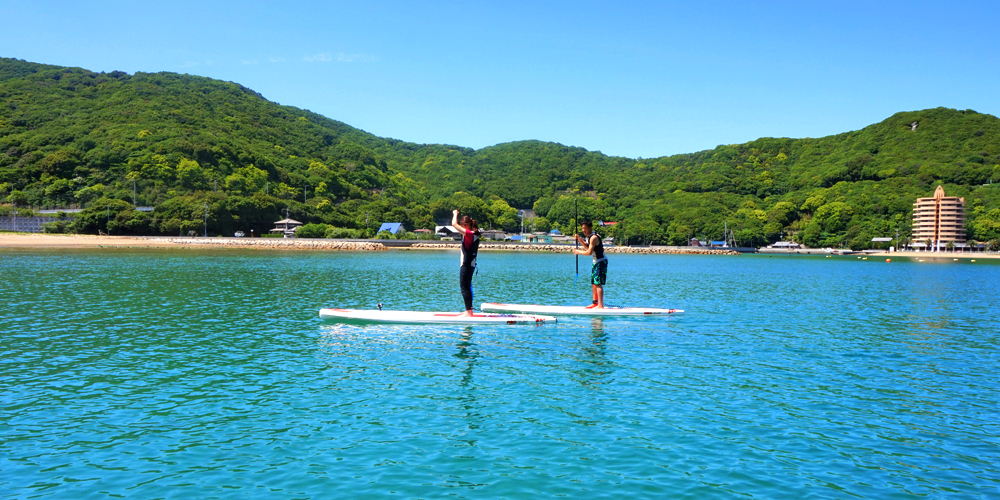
(207, 374)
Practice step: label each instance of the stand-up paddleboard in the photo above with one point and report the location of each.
(382, 316)
(576, 310)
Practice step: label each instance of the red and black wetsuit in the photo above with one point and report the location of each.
(470, 249)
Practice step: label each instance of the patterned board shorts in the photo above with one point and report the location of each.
(599, 273)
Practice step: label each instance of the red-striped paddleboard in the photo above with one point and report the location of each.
(577, 310)
(383, 316)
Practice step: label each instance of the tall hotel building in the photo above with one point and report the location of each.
(939, 219)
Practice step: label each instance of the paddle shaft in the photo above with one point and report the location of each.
(576, 242)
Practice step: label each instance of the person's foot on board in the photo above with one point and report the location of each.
(467, 314)
(591, 306)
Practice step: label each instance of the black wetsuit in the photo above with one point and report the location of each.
(470, 249)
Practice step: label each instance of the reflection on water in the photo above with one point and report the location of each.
(468, 354)
(597, 368)
(210, 375)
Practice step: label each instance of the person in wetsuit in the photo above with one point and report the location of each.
(593, 245)
(470, 249)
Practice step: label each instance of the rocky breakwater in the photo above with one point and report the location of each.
(672, 250)
(282, 243)
(495, 246)
(569, 248)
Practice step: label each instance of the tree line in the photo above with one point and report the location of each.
(207, 152)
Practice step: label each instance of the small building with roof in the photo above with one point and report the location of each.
(878, 240)
(493, 234)
(787, 245)
(446, 232)
(287, 227)
(539, 237)
(393, 228)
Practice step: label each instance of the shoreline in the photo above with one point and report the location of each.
(520, 247)
(930, 255)
(50, 241)
(885, 254)
(67, 241)
(70, 241)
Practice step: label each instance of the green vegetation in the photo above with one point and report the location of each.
(203, 151)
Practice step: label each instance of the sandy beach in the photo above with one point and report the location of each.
(930, 255)
(36, 240)
(882, 255)
(41, 241)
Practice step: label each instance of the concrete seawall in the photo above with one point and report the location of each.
(31, 224)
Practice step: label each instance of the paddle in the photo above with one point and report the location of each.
(576, 241)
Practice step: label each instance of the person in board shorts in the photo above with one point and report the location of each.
(594, 246)
(470, 249)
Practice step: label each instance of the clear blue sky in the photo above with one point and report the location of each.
(628, 78)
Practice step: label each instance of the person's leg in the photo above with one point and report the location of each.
(600, 278)
(593, 296)
(465, 283)
(594, 271)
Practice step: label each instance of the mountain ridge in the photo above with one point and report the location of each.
(69, 136)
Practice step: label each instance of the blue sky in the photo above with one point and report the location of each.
(628, 78)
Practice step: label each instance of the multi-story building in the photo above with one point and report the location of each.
(940, 219)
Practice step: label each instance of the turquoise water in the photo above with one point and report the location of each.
(188, 374)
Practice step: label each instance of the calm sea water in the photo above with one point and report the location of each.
(189, 374)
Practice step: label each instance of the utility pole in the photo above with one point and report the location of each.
(305, 194)
(133, 192)
(206, 220)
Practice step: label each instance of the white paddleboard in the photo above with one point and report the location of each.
(383, 316)
(576, 310)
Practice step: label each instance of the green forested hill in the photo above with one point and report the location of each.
(72, 137)
(840, 190)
